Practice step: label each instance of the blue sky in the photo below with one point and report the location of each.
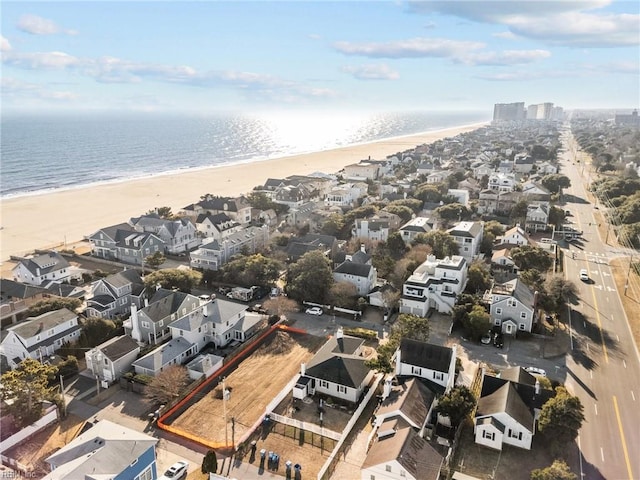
(344, 55)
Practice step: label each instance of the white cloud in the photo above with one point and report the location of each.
(508, 35)
(14, 88)
(41, 60)
(411, 48)
(506, 57)
(371, 72)
(314, 36)
(5, 46)
(573, 23)
(36, 25)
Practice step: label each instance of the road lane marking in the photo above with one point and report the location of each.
(591, 373)
(633, 396)
(624, 363)
(595, 305)
(624, 442)
(617, 336)
(602, 454)
(580, 454)
(595, 405)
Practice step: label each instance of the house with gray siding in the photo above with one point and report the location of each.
(179, 235)
(124, 244)
(175, 352)
(512, 306)
(113, 358)
(113, 296)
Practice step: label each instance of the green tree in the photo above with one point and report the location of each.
(453, 212)
(25, 388)
(333, 225)
(478, 322)
(168, 385)
(155, 260)
(260, 201)
(518, 212)
(478, 278)
(556, 216)
(527, 257)
(310, 278)
(395, 245)
(410, 326)
(493, 227)
(558, 470)
(252, 270)
(555, 182)
(559, 291)
(382, 361)
(52, 304)
(442, 243)
(162, 212)
(413, 203)
(561, 418)
(457, 404)
(183, 280)
(532, 278)
(210, 462)
(404, 212)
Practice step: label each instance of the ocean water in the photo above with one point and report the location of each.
(48, 152)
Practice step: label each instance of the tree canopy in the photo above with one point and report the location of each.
(310, 278)
(252, 270)
(155, 260)
(558, 470)
(555, 182)
(527, 257)
(167, 385)
(478, 278)
(561, 418)
(183, 280)
(457, 404)
(442, 243)
(25, 388)
(52, 304)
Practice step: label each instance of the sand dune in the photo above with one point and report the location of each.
(53, 219)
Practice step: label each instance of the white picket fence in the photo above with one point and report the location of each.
(50, 416)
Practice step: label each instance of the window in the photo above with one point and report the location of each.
(521, 326)
(106, 361)
(488, 435)
(511, 302)
(403, 473)
(145, 324)
(438, 376)
(372, 477)
(498, 311)
(146, 474)
(387, 468)
(161, 323)
(416, 371)
(324, 384)
(342, 389)
(514, 434)
(523, 314)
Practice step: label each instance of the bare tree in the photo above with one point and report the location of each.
(168, 384)
(280, 306)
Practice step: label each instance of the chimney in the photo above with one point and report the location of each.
(537, 387)
(363, 248)
(37, 271)
(303, 369)
(339, 333)
(536, 294)
(205, 309)
(386, 389)
(146, 302)
(136, 334)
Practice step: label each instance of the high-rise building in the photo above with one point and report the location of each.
(504, 112)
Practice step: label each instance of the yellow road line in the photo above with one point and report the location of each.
(596, 308)
(624, 443)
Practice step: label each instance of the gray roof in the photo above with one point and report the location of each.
(466, 229)
(104, 451)
(164, 354)
(411, 451)
(34, 325)
(123, 278)
(353, 268)
(165, 302)
(217, 311)
(46, 262)
(118, 347)
(426, 355)
(336, 362)
(113, 230)
(412, 398)
(506, 400)
(518, 375)
(12, 290)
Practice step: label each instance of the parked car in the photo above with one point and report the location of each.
(498, 340)
(314, 311)
(486, 339)
(176, 471)
(584, 275)
(536, 371)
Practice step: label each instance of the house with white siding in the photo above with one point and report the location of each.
(42, 268)
(113, 358)
(213, 254)
(436, 283)
(357, 269)
(508, 409)
(362, 171)
(434, 363)
(238, 209)
(112, 296)
(468, 236)
(179, 235)
(416, 226)
(41, 336)
(338, 369)
(216, 226)
(175, 352)
(376, 230)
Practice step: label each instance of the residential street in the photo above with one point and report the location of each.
(603, 366)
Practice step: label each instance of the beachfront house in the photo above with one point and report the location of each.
(113, 295)
(179, 234)
(434, 363)
(40, 337)
(238, 209)
(113, 358)
(124, 244)
(41, 269)
(216, 226)
(362, 171)
(106, 450)
(435, 283)
(16, 298)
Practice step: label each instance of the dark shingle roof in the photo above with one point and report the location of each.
(427, 355)
(412, 398)
(45, 263)
(336, 362)
(118, 347)
(506, 400)
(12, 290)
(353, 268)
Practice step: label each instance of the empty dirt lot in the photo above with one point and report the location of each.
(252, 385)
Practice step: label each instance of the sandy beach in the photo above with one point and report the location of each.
(58, 218)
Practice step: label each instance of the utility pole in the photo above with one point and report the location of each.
(626, 283)
(64, 402)
(225, 397)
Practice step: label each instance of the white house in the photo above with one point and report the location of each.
(113, 295)
(508, 409)
(206, 364)
(514, 236)
(364, 170)
(337, 370)
(215, 253)
(537, 216)
(175, 352)
(513, 306)
(39, 337)
(345, 195)
(216, 226)
(358, 271)
(111, 359)
(377, 230)
(41, 269)
(502, 182)
(411, 401)
(462, 196)
(434, 363)
(501, 259)
(434, 284)
(416, 226)
(468, 236)
(402, 455)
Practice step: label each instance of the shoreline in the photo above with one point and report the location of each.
(66, 216)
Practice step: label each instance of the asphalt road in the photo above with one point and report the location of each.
(603, 366)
